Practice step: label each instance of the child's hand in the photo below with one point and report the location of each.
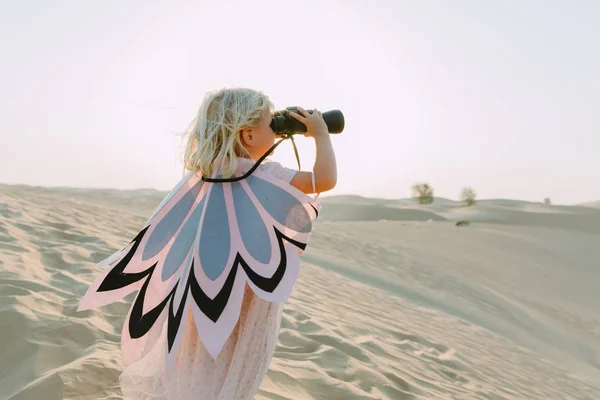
(315, 124)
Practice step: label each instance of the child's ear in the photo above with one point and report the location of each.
(247, 136)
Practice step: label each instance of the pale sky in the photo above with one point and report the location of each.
(501, 96)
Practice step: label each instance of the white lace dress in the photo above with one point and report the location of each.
(239, 369)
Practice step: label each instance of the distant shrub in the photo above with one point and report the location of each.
(463, 222)
(468, 196)
(423, 192)
(547, 201)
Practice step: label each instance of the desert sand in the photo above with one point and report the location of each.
(394, 300)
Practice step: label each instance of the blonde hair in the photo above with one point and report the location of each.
(214, 140)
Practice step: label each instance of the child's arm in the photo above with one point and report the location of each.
(325, 168)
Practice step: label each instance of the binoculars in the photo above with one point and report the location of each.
(283, 123)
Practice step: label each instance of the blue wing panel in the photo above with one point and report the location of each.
(183, 243)
(279, 202)
(215, 240)
(167, 227)
(251, 225)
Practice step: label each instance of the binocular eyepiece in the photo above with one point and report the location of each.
(283, 123)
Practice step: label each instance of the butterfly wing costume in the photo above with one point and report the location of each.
(199, 249)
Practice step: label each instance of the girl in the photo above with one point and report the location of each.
(230, 133)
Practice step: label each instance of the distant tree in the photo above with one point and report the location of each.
(547, 201)
(423, 192)
(468, 196)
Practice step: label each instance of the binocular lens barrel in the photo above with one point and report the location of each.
(282, 122)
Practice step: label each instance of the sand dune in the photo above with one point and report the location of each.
(512, 212)
(394, 301)
(595, 204)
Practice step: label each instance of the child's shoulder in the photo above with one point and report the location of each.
(278, 170)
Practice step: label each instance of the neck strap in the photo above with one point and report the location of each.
(260, 160)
